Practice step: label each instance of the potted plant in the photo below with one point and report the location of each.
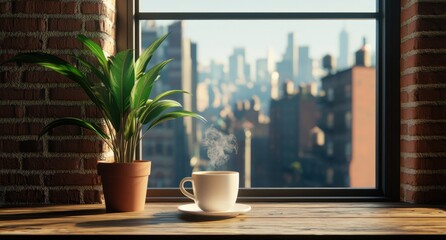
(122, 93)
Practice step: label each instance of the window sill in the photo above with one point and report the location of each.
(275, 220)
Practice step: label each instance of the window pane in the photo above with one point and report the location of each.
(297, 95)
(254, 6)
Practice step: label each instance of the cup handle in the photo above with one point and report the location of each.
(186, 193)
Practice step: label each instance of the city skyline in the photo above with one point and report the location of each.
(280, 114)
(258, 48)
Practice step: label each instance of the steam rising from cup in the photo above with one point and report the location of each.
(219, 146)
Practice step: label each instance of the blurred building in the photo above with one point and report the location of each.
(292, 118)
(239, 70)
(288, 67)
(171, 145)
(343, 60)
(348, 122)
(305, 66)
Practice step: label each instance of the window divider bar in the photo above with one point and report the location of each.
(253, 15)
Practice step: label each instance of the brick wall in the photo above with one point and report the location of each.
(61, 167)
(423, 101)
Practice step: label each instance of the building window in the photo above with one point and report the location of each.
(348, 120)
(348, 91)
(330, 120)
(330, 95)
(228, 52)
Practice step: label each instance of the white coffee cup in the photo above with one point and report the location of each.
(214, 191)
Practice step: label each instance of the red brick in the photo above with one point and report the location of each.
(72, 179)
(20, 128)
(21, 43)
(96, 8)
(23, 146)
(91, 163)
(75, 146)
(54, 163)
(70, 94)
(8, 146)
(409, 12)
(47, 7)
(23, 24)
(65, 196)
(44, 77)
(423, 42)
(92, 112)
(5, 7)
(9, 163)
(423, 78)
(423, 179)
(10, 111)
(22, 94)
(25, 196)
(424, 112)
(433, 163)
(404, 3)
(66, 130)
(93, 196)
(99, 26)
(424, 24)
(30, 146)
(64, 25)
(63, 43)
(431, 8)
(53, 111)
(19, 179)
(429, 60)
(424, 129)
(9, 76)
(423, 146)
(5, 57)
(425, 94)
(432, 196)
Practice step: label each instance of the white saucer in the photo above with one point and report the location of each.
(195, 210)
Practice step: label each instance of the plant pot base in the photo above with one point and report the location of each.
(124, 185)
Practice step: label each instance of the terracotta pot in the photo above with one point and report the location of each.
(125, 185)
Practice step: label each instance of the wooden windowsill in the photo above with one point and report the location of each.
(274, 220)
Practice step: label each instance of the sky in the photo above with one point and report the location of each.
(217, 38)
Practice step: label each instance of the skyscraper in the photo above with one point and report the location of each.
(238, 69)
(288, 67)
(343, 61)
(305, 74)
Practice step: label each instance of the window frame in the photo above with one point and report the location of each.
(387, 97)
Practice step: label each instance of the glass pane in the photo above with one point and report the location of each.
(298, 96)
(254, 6)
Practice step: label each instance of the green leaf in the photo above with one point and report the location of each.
(154, 110)
(146, 55)
(95, 70)
(143, 86)
(77, 122)
(108, 105)
(130, 127)
(95, 49)
(175, 115)
(167, 93)
(122, 79)
(49, 61)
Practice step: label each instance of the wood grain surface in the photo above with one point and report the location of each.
(269, 220)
